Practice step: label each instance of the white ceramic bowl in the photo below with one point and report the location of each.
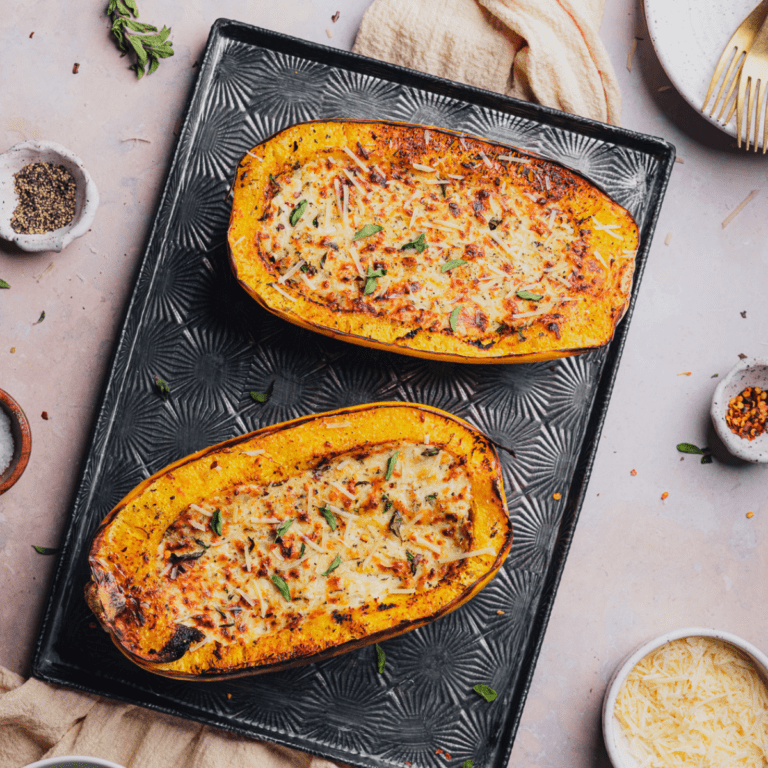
(615, 741)
(74, 761)
(750, 372)
(87, 201)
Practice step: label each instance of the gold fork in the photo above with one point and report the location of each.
(739, 45)
(752, 88)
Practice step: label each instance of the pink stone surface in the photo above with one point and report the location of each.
(638, 565)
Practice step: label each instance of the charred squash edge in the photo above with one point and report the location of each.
(94, 603)
(473, 355)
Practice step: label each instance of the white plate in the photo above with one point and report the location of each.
(689, 36)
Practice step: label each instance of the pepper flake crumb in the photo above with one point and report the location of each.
(664, 495)
(750, 515)
(633, 473)
(557, 496)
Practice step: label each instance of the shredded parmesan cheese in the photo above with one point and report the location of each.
(695, 702)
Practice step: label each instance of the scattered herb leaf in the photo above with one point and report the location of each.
(282, 587)
(467, 764)
(40, 319)
(688, 448)
(302, 550)
(714, 375)
(409, 555)
(452, 264)
(387, 504)
(381, 658)
(3, 284)
(370, 280)
(314, 222)
(530, 296)
(162, 387)
(395, 524)
(216, 521)
(333, 566)
(298, 212)
(431, 452)
(431, 496)
(706, 458)
(485, 691)
(367, 231)
(282, 529)
(143, 40)
(453, 318)
(263, 397)
(45, 550)
(420, 244)
(330, 517)
(391, 465)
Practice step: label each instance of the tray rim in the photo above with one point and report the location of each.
(221, 30)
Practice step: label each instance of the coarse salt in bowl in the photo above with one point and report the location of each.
(16, 438)
(616, 742)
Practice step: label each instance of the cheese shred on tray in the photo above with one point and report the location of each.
(695, 702)
(451, 247)
(284, 558)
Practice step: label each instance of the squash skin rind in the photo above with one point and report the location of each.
(591, 328)
(104, 601)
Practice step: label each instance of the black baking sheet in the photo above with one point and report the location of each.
(189, 323)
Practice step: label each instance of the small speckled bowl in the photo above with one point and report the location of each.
(615, 742)
(87, 201)
(750, 372)
(22, 441)
(74, 761)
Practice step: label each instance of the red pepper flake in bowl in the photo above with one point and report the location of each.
(748, 412)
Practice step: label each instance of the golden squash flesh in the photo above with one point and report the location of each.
(300, 541)
(428, 243)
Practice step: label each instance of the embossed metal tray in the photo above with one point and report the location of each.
(190, 323)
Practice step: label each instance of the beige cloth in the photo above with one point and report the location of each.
(546, 51)
(38, 720)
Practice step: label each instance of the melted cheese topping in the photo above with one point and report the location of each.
(452, 251)
(392, 520)
(695, 702)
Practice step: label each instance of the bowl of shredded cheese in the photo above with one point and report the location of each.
(692, 697)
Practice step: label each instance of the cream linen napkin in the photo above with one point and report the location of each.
(38, 720)
(546, 51)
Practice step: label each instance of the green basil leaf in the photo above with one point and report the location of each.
(330, 517)
(133, 7)
(282, 529)
(40, 319)
(530, 296)
(420, 244)
(45, 550)
(302, 550)
(333, 566)
(367, 231)
(260, 397)
(216, 521)
(371, 278)
(487, 693)
(467, 764)
(452, 264)
(453, 318)
(391, 464)
(138, 26)
(154, 63)
(688, 448)
(281, 585)
(162, 387)
(3, 284)
(381, 658)
(298, 212)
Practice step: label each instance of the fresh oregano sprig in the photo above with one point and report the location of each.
(138, 38)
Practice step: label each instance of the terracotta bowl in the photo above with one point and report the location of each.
(22, 441)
